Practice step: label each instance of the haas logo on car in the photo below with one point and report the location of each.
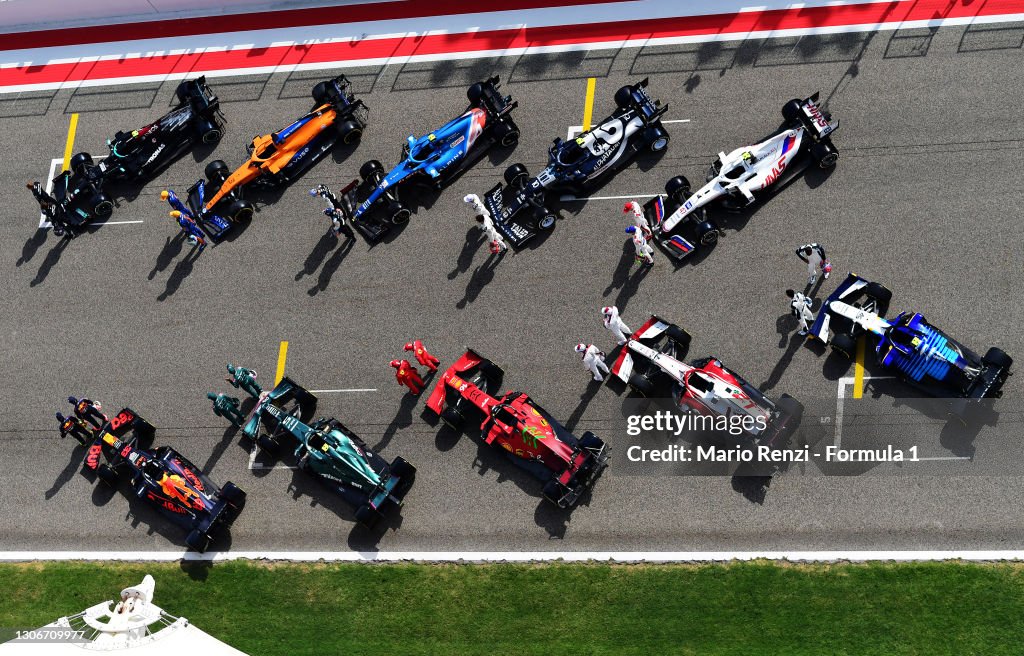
(774, 174)
(815, 114)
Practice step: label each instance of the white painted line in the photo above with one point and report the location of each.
(354, 389)
(677, 120)
(569, 198)
(44, 223)
(106, 223)
(573, 131)
(518, 556)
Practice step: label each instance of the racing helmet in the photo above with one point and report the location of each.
(581, 348)
(174, 214)
(630, 230)
(396, 363)
(164, 194)
(607, 310)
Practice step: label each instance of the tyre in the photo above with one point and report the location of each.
(182, 92)
(350, 132)
(791, 110)
(217, 171)
(209, 132)
(268, 446)
(844, 345)
(824, 154)
(516, 176)
(707, 233)
(370, 169)
(492, 372)
(546, 222)
(452, 418)
(475, 92)
(680, 337)
(591, 441)
(197, 541)
(401, 468)
(678, 188)
(398, 213)
(102, 206)
(554, 491)
(641, 384)
(997, 358)
(657, 139)
(323, 93)
(507, 133)
(882, 297)
(790, 406)
(79, 162)
(240, 211)
(368, 516)
(107, 474)
(233, 495)
(624, 96)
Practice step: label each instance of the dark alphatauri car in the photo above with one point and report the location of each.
(908, 346)
(525, 206)
(536, 441)
(163, 477)
(277, 159)
(330, 451)
(137, 156)
(381, 199)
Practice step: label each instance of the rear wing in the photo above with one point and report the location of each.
(494, 100)
(648, 107)
(817, 119)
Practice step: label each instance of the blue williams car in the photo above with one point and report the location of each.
(378, 200)
(908, 346)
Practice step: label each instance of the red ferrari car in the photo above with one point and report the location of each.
(514, 422)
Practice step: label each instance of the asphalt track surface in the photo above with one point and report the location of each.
(925, 199)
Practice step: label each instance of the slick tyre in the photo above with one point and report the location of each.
(268, 446)
(368, 516)
(656, 138)
(641, 384)
(79, 162)
(516, 176)
(791, 110)
(996, 357)
(370, 170)
(402, 469)
(553, 492)
(624, 97)
(102, 206)
(349, 132)
(546, 222)
(475, 93)
(240, 211)
(882, 297)
(197, 541)
(681, 338)
(217, 171)
(398, 214)
(183, 91)
(507, 133)
(324, 93)
(790, 407)
(107, 474)
(707, 233)
(678, 189)
(844, 345)
(209, 132)
(452, 418)
(233, 495)
(824, 154)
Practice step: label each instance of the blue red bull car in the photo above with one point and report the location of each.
(381, 199)
(908, 346)
(163, 477)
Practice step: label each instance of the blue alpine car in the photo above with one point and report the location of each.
(378, 199)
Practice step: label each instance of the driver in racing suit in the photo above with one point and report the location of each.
(190, 228)
(644, 252)
(89, 410)
(48, 206)
(76, 427)
(639, 220)
(614, 323)
(801, 307)
(593, 360)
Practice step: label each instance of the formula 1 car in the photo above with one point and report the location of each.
(163, 477)
(739, 178)
(521, 208)
(330, 451)
(908, 346)
(277, 159)
(137, 155)
(374, 202)
(652, 364)
(528, 434)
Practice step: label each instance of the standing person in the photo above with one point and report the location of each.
(483, 217)
(423, 356)
(407, 375)
(338, 223)
(644, 252)
(228, 407)
(801, 308)
(814, 256)
(76, 427)
(48, 206)
(593, 360)
(88, 410)
(244, 379)
(639, 220)
(614, 323)
(190, 228)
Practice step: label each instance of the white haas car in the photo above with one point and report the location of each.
(652, 364)
(738, 178)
